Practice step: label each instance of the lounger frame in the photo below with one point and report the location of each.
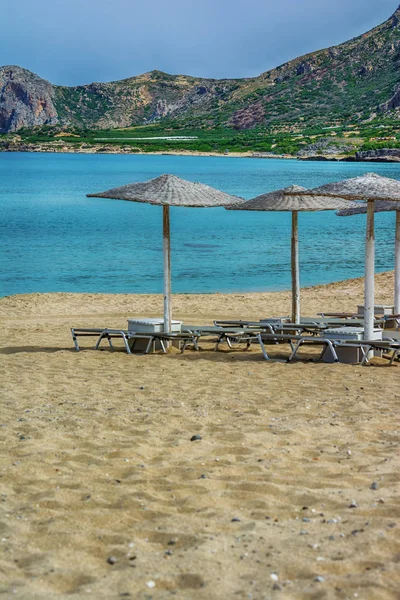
(129, 336)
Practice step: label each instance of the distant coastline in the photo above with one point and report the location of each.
(46, 148)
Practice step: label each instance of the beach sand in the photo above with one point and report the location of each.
(292, 492)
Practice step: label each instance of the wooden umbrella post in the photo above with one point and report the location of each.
(295, 268)
(167, 269)
(369, 297)
(397, 266)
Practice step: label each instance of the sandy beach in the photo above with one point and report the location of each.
(291, 493)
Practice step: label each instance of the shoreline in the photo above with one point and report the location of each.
(344, 291)
(120, 151)
(316, 287)
(253, 155)
(60, 148)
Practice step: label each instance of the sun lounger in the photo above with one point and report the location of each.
(271, 327)
(307, 324)
(130, 338)
(386, 346)
(85, 332)
(298, 341)
(230, 335)
(352, 317)
(126, 336)
(365, 346)
(295, 341)
(339, 322)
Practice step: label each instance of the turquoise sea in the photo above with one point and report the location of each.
(53, 238)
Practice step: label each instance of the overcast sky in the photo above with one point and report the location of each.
(73, 42)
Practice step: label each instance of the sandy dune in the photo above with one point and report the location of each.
(292, 492)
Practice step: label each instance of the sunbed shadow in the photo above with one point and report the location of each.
(225, 356)
(243, 357)
(33, 350)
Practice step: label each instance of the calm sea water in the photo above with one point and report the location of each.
(53, 238)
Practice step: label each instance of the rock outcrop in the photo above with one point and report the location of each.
(380, 155)
(326, 147)
(392, 103)
(26, 100)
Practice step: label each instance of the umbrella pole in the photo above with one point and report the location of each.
(167, 270)
(397, 266)
(295, 269)
(369, 299)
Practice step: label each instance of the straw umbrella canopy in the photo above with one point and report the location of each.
(381, 206)
(169, 190)
(370, 187)
(279, 200)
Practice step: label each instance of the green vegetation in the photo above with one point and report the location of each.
(376, 134)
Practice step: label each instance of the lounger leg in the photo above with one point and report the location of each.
(320, 357)
(219, 339)
(99, 340)
(151, 340)
(162, 346)
(128, 350)
(75, 340)
(365, 353)
(262, 346)
(332, 349)
(331, 346)
(110, 342)
(294, 352)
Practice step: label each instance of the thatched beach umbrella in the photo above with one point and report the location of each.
(370, 187)
(169, 190)
(384, 207)
(279, 200)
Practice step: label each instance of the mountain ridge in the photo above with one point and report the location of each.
(354, 80)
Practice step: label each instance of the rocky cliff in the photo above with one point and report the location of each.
(26, 100)
(352, 81)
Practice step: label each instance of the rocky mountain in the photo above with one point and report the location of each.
(353, 81)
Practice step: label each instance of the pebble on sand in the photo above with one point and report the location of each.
(111, 560)
(195, 438)
(150, 584)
